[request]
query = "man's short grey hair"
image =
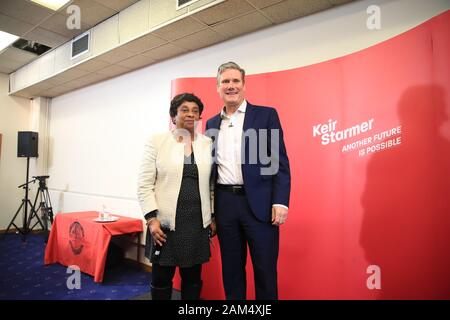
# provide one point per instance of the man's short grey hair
(229, 65)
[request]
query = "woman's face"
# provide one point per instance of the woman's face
(187, 115)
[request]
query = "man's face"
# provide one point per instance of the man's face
(231, 88)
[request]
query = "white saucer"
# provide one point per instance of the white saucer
(109, 219)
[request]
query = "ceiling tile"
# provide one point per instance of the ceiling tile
(14, 26)
(47, 37)
(263, 3)
(115, 55)
(92, 65)
(144, 43)
(36, 89)
(199, 40)
(57, 24)
(338, 2)
(92, 12)
(241, 25)
(6, 69)
(71, 86)
(223, 11)
(86, 80)
(92, 78)
(179, 29)
(137, 62)
(292, 9)
(200, 3)
(9, 65)
(17, 55)
(68, 75)
(25, 10)
(113, 70)
(117, 5)
(23, 94)
(164, 52)
(54, 91)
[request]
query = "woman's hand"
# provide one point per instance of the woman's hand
(155, 230)
(213, 228)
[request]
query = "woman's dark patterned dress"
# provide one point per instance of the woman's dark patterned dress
(188, 245)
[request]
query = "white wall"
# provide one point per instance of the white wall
(14, 116)
(97, 133)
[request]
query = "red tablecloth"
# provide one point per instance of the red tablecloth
(76, 239)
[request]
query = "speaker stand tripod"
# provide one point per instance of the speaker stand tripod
(26, 219)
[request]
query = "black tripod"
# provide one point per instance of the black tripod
(45, 205)
(26, 219)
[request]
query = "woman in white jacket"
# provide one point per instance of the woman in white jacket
(174, 192)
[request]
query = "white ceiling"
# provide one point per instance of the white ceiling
(30, 21)
(226, 20)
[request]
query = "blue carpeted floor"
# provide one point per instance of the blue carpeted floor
(23, 276)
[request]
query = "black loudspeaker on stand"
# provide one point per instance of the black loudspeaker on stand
(27, 146)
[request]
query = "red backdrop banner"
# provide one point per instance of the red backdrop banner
(368, 136)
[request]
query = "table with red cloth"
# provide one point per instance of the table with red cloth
(77, 240)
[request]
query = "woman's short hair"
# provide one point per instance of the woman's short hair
(182, 97)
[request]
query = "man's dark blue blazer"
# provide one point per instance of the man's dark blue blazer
(262, 190)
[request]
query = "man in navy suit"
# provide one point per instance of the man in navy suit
(252, 186)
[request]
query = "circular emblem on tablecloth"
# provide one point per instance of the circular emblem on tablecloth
(76, 237)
